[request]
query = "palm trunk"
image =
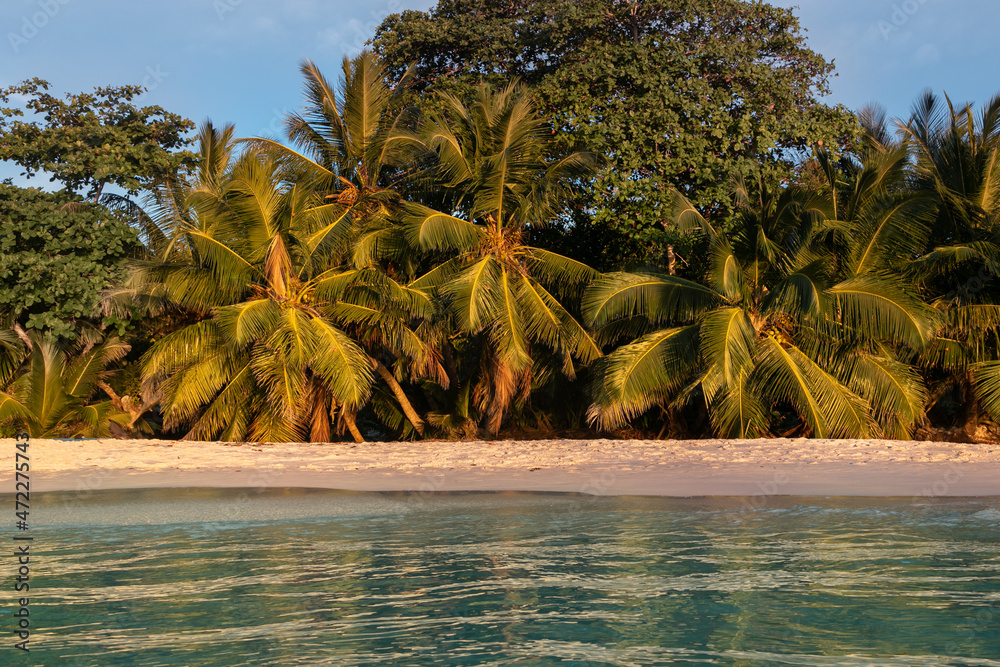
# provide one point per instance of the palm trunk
(351, 425)
(400, 395)
(319, 430)
(126, 404)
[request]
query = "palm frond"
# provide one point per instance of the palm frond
(546, 320)
(12, 409)
(879, 307)
(661, 299)
(737, 410)
(552, 268)
(430, 230)
(729, 341)
(342, 364)
(987, 384)
(478, 294)
(637, 376)
(895, 392)
(248, 321)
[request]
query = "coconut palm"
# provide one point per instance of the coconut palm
(782, 323)
(170, 208)
(493, 184)
(281, 241)
(172, 221)
(958, 166)
(267, 362)
(54, 392)
(354, 144)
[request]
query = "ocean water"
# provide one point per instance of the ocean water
(291, 577)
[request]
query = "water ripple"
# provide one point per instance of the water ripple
(525, 580)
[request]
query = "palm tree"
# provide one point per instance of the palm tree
(266, 362)
(173, 221)
(958, 167)
(274, 252)
(355, 146)
(492, 185)
(782, 323)
(53, 393)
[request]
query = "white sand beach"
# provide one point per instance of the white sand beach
(680, 468)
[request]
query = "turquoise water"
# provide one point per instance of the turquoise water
(212, 577)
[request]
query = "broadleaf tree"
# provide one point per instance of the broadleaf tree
(678, 94)
(89, 140)
(57, 254)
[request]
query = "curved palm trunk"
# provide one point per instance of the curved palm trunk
(345, 418)
(352, 426)
(397, 391)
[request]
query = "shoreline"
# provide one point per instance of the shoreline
(670, 468)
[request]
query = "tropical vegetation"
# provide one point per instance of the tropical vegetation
(673, 236)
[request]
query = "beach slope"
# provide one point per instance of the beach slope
(680, 468)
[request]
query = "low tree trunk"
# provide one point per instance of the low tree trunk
(348, 417)
(400, 395)
(134, 409)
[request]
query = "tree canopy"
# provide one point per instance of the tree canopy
(92, 139)
(56, 256)
(678, 94)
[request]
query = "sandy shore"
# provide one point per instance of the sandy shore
(604, 467)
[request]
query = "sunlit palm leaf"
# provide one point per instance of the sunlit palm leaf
(477, 293)
(344, 366)
(738, 411)
(659, 298)
(430, 230)
(507, 330)
(637, 376)
(249, 321)
(553, 268)
(729, 341)
(880, 308)
(895, 392)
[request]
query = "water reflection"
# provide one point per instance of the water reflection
(315, 578)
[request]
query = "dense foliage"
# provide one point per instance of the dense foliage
(444, 250)
(677, 94)
(57, 254)
(54, 393)
(91, 139)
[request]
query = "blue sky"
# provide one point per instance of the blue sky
(237, 60)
